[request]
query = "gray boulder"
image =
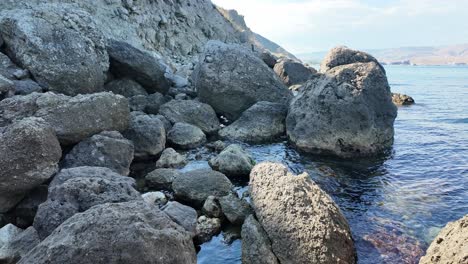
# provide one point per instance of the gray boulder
(212, 208)
(141, 66)
(262, 122)
(191, 112)
(236, 210)
(7, 88)
(61, 46)
(171, 159)
(125, 87)
(161, 179)
(348, 112)
(233, 161)
(293, 72)
(19, 246)
(256, 246)
(183, 215)
(29, 156)
(140, 234)
(231, 78)
(302, 221)
(343, 55)
(185, 136)
(195, 186)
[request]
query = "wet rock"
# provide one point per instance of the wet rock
(268, 58)
(125, 87)
(343, 55)
(26, 210)
(302, 221)
(185, 136)
(293, 72)
(149, 104)
(233, 161)
(402, 99)
(7, 88)
(212, 208)
(171, 159)
(161, 179)
(155, 198)
(27, 86)
(207, 228)
(231, 79)
(235, 209)
(263, 122)
(183, 215)
(256, 246)
(29, 156)
(135, 228)
(107, 149)
(19, 246)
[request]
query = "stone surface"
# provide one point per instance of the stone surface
(293, 72)
(302, 221)
(212, 208)
(161, 179)
(8, 233)
(125, 87)
(268, 58)
(107, 149)
(343, 55)
(19, 246)
(230, 78)
(402, 99)
(154, 198)
(256, 246)
(25, 211)
(207, 228)
(262, 122)
(217, 146)
(147, 103)
(7, 88)
(185, 136)
(26, 86)
(183, 215)
(233, 161)
(171, 159)
(29, 156)
(235, 209)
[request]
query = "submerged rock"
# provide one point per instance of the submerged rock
(402, 99)
(293, 72)
(256, 246)
(185, 136)
(233, 161)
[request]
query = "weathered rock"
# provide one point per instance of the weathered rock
(195, 186)
(125, 87)
(233, 161)
(167, 123)
(183, 215)
(262, 122)
(155, 198)
(212, 208)
(29, 156)
(72, 118)
(7, 88)
(149, 104)
(217, 146)
(207, 228)
(139, 65)
(60, 45)
(161, 179)
(78, 189)
(302, 221)
(25, 211)
(191, 112)
(256, 246)
(235, 209)
(19, 246)
(343, 55)
(185, 136)
(402, 99)
(178, 81)
(293, 72)
(7, 68)
(348, 112)
(171, 159)
(147, 134)
(268, 58)
(108, 149)
(230, 78)
(140, 234)
(27, 86)
(450, 245)
(8, 233)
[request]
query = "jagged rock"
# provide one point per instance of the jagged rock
(185, 136)
(26, 210)
(161, 179)
(207, 228)
(108, 149)
(29, 156)
(233, 161)
(302, 221)
(171, 159)
(256, 246)
(268, 58)
(343, 55)
(125, 87)
(61, 45)
(72, 118)
(191, 112)
(76, 190)
(147, 134)
(195, 186)
(8, 233)
(140, 233)
(293, 72)
(19, 246)
(183, 215)
(155, 198)
(262, 122)
(348, 112)
(402, 99)
(212, 208)
(230, 78)
(7, 88)
(139, 65)
(235, 209)
(450, 245)
(26, 86)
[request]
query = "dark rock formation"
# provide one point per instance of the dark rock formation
(293, 72)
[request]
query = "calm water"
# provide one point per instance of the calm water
(395, 204)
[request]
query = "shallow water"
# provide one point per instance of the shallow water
(395, 204)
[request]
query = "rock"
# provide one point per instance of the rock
(212, 208)
(125, 87)
(207, 228)
(185, 136)
(348, 112)
(233, 161)
(262, 122)
(140, 233)
(191, 112)
(7, 68)
(343, 55)
(235, 209)
(178, 81)
(8, 233)
(402, 99)
(139, 65)
(26, 210)
(167, 123)
(256, 246)
(171, 159)
(155, 198)
(72, 118)
(27, 86)
(268, 58)
(161, 179)
(78, 189)
(19, 246)
(7, 88)
(195, 186)
(182, 96)
(61, 45)
(29, 156)
(183, 215)
(302, 221)
(293, 72)
(217, 146)
(108, 149)
(231, 79)
(147, 134)
(450, 245)
(149, 104)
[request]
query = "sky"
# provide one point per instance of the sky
(302, 26)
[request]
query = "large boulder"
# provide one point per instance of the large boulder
(262, 122)
(233, 161)
(347, 112)
(108, 149)
(78, 189)
(256, 246)
(191, 112)
(29, 156)
(185, 136)
(140, 234)
(293, 72)
(343, 55)
(301, 220)
(231, 78)
(72, 118)
(139, 65)
(61, 45)
(450, 245)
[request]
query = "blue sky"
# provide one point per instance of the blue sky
(318, 25)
